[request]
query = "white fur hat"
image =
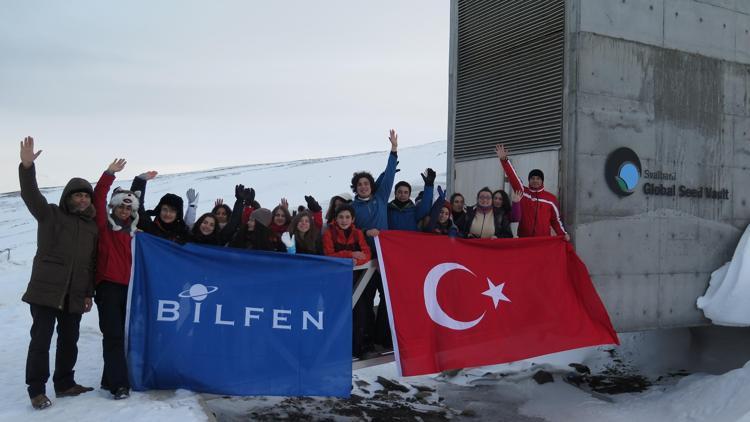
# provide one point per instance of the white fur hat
(345, 196)
(119, 197)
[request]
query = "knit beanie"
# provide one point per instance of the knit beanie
(536, 172)
(262, 216)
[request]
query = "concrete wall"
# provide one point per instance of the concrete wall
(669, 79)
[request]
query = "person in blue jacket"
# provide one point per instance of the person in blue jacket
(371, 200)
(403, 214)
(371, 208)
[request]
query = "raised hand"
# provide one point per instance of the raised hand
(238, 193)
(501, 152)
(284, 203)
(249, 195)
(192, 196)
(287, 239)
(312, 204)
(219, 202)
(516, 195)
(27, 152)
(393, 137)
(441, 193)
(117, 165)
(429, 177)
(148, 175)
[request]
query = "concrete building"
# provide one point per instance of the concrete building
(638, 111)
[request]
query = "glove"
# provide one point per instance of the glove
(249, 195)
(312, 204)
(238, 189)
(192, 196)
(441, 193)
(429, 177)
(288, 241)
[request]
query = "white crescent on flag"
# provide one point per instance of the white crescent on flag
(434, 310)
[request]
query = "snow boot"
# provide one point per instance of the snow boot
(40, 402)
(73, 391)
(121, 393)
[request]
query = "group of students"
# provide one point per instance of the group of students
(97, 256)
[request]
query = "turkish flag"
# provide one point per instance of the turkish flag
(456, 303)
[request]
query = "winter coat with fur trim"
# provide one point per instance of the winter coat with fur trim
(65, 247)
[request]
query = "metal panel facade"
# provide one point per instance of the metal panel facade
(509, 76)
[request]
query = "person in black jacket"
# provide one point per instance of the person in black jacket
(206, 230)
(255, 234)
(458, 209)
(167, 216)
(441, 220)
(229, 219)
(307, 237)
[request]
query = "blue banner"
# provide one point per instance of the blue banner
(229, 321)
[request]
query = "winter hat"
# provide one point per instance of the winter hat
(345, 196)
(119, 197)
(173, 201)
(262, 216)
(76, 185)
(536, 172)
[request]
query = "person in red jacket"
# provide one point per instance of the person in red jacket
(344, 240)
(540, 212)
(117, 222)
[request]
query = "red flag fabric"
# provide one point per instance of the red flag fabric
(456, 303)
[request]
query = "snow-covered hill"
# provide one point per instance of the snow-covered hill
(504, 392)
(321, 178)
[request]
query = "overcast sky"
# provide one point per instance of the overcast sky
(187, 85)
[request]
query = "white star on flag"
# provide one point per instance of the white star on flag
(495, 292)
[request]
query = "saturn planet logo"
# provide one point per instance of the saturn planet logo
(198, 292)
(622, 171)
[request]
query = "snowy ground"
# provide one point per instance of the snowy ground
(683, 365)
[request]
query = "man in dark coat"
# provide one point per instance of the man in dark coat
(62, 278)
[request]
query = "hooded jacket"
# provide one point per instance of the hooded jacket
(64, 263)
(540, 212)
(433, 226)
(176, 231)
